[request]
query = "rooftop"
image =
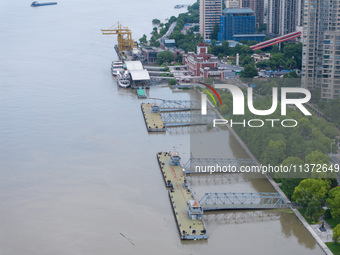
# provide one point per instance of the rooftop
(237, 11)
(134, 65)
(169, 41)
(250, 35)
(139, 75)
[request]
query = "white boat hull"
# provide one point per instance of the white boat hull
(123, 85)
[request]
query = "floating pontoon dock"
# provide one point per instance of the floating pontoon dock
(187, 210)
(152, 117)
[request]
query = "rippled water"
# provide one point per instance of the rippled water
(78, 172)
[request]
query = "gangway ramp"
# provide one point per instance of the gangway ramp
(175, 113)
(216, 165)
(242, 201)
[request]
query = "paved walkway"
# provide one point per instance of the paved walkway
(326, 236)
(313, 232)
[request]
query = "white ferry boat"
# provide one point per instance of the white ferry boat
(116, 67)
(123, 79)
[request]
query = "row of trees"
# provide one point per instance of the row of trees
(308, 143)
(331, 109)
(186, 42)
(189, 41)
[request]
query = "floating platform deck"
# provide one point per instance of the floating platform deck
(180, 196)
(141, 93)
(153, 120)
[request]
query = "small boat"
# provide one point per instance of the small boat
(36, 4)
(123, 79)
(116, 67)
(179, 6)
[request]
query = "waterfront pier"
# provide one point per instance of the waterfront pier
(186, 209)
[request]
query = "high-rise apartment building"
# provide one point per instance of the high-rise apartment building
(315, 24)
(282, 16)
(330, 81)
(232, 4)
(299, 17)
(210, 12)
(258, 7)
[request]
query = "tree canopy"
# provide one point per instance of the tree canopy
(214, 33)
(315, 187)
(143, 39)
(165, 57)
(336, 233)
(249, 71)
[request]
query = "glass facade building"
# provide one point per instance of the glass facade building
(238, 24)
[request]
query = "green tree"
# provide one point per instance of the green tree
(172, 82)
(275, 152)
(154, 32)
(214, 33)
(143, 39)
(332, 194)
(249, 71)
(179, 58)
(335, 208)
(332, 110)
(317, 187)
(289, 184)
(312, 207)
(165, 57)
(276, 61)
(275, 49)
(292, 74)
(317, 157)
(247, 60)
(156, 21)
(294, 52)
(290, 64)
(336, 233)
(262, 64)
(305, 196)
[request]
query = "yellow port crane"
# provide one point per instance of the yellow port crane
(124, 37)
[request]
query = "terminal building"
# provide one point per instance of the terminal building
(238, 24)
(139, 76)
(203, 64)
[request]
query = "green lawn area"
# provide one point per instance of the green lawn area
(333, 222)
(302, 211)
(335, 249)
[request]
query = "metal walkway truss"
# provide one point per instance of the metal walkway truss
(188, 118)
(209, 165)
(179, 104)
(239, 201)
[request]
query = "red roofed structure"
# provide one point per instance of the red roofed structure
(202, 63)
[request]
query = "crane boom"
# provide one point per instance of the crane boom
(124, 36)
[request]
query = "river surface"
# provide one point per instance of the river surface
(78, 170)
